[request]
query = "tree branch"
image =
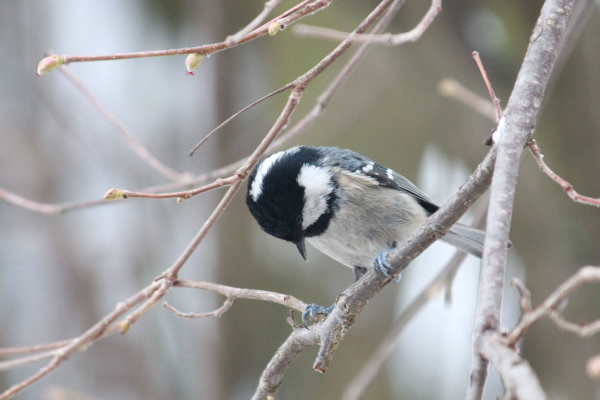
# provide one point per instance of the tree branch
(518, 378)
(242, 293)
(289, 17)
(388, 39)
(552, 307)
(567, 187)
(519, 122)
(441, 283)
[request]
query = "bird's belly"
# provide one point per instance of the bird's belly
(356, 242)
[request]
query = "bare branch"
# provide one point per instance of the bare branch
(216, 313)
(272, 376)
(32, 349)
(206, 49)
(99, 330)
(453, 89)
(567, 187)
(520, 118)
(45, 208)
(441, 283)
(518, 378)
(222, 124)
(388, 39)
(369, 370)
(490, 89)
(352, 300)
(115, 194)
(131, 140)
(255, 23)
(551, 307)
(242, 293)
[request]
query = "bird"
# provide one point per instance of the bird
(344, 204)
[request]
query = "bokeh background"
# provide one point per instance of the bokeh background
(60, 274)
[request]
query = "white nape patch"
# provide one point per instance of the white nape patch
(390, 174)
(368, 167)
(317, 185)
(263, 170)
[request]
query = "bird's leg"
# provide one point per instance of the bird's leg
(359, 272)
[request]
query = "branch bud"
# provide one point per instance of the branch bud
(49, 63)
(124, 327)
(274, 28)
(192, 61)
(114, 194)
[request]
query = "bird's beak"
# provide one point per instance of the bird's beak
(302, 248)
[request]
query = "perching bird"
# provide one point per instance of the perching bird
(345, 205)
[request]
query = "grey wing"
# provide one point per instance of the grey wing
(385, 177)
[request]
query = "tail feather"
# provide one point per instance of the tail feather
(466, 238)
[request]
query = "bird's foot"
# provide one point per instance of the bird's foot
(383, 267)
(312, 310)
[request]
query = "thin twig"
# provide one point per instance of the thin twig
(551, 307)
(567, 187)
(242, 293)
(255, 23)
(62, 354)
(388, 39)
(216, 313)
(129, 137)
(11, 351)
(222, 124)
(125, 194)
(490, 89)
(45, 208)
(310, 8)
(453, 89)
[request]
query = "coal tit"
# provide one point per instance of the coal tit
(345, 205)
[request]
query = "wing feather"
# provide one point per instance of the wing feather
(385, 177)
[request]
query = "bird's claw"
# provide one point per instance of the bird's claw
(383, 267)
(312, 310)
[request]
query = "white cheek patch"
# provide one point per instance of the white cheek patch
(317, 185)
(263, 170)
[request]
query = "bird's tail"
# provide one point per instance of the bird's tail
(466, 238)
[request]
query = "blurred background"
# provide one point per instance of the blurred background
(60, 274)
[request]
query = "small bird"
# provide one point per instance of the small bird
(347, 206)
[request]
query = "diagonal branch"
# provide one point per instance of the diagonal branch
(441, 283)
(352, 300)
(129, 137)
(388, 39)
(567, 187)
